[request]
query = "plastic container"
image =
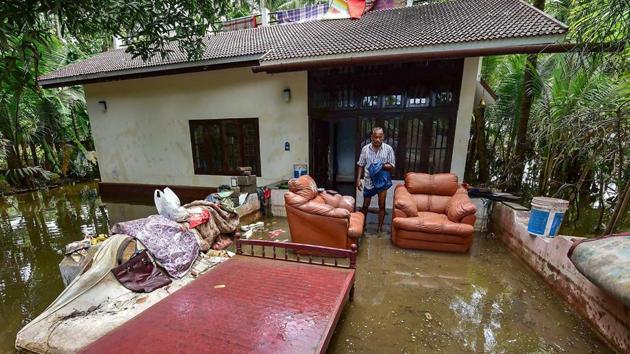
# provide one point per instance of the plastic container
(299, 170)
(546, 216)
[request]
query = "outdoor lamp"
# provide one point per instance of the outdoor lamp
(286, 95)
(103, 105)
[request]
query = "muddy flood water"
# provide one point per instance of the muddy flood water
(405, 301)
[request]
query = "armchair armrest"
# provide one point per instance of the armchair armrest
(459, 207)
(405, 202)
(338, 201)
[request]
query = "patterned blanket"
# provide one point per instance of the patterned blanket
(172, 245)
(306, 13)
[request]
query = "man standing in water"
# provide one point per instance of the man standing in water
(375, 157)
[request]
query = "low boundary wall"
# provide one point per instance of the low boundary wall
(548, 258)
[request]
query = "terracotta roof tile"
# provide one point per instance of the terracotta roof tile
(431, 24)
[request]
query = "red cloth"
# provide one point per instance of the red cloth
(196, 219)
(356, 8)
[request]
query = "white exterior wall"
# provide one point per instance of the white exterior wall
(144, 137)
(472, 70)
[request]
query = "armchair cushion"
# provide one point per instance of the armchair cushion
(459, 206)
(338, 201)
(304, 186)
(437, 184)
(404, 201)
(433, 223)
(314, 207)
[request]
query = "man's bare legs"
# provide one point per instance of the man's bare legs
(382, 197)
(366, 206)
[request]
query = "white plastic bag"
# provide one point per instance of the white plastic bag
(171, 197)
(168, 207)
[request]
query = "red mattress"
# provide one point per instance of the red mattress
(244, 305)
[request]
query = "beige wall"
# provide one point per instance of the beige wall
(144, 136)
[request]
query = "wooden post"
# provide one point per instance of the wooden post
(353, 256)
(237, 238)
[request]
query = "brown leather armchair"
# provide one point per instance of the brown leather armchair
(432, 212)
(322, 219)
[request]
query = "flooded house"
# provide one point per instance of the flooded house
(301, 93)
(309, 94)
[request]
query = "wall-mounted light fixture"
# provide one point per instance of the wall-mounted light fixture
(286, 95)
(103, 105)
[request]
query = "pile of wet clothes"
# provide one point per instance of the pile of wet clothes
(175, 245)
(162, 247)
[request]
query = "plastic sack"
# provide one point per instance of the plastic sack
(168, 207)
(171, 196)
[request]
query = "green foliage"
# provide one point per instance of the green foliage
(151, 27)
(54, 178)
(27, 176)
(39, 36)
(599, 21)
(5, 187)
(579, 126)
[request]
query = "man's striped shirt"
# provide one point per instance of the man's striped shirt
(368, 156)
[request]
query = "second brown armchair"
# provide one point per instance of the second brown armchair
(432, 212)
(321, 219)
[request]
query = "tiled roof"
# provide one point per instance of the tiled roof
(431, 24)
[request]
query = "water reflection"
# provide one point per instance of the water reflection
(34, 229)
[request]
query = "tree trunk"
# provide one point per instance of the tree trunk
(620, 209)
(27, 161)
(527, 98)
(34, 154)
(482, 151)
(13, 157)
(15, 147)
(74, 125)
(469, 174)
(602, 202)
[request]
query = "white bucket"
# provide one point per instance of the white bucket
(546, 216)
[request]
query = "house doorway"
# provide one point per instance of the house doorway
(415, 104)
(333, 154)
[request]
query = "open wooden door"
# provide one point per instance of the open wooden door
(320, 149)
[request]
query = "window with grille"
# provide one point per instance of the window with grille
(220, 146)
(421, 143)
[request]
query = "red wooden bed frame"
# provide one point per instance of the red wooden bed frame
(260, 300)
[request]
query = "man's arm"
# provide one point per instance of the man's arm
(390, 163)
(360, 169)
(359, 176)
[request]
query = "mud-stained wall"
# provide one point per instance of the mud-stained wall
(144, 135)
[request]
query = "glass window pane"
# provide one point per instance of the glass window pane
(415, 128)
(221, 145)
(232, 141)
(438, 156)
